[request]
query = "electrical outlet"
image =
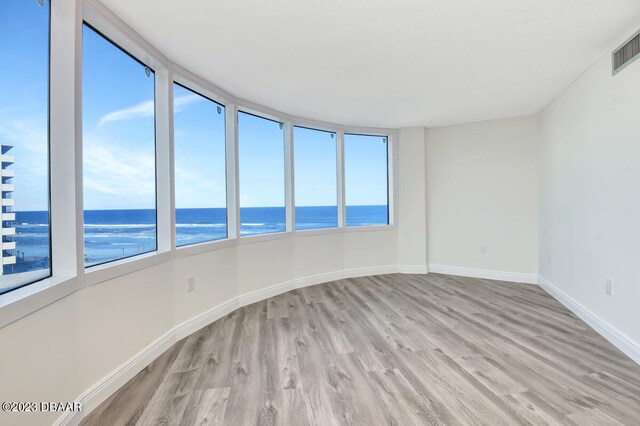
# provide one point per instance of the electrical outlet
(609, 284)
(191, 283)
(483, 248)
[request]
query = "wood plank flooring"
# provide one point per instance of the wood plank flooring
(391, 349)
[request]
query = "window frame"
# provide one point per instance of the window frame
(49, 198)
(338, 179)
(155, 149)
(287, 186)
(390, 179)
(117, 32)
(63, 178)
(226, 167)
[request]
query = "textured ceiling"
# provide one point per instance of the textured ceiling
(386, 63)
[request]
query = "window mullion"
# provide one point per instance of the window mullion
(340, 179)
(233, 195)
(165, 199)
(391, 178)
(65, 139)
(289, 176)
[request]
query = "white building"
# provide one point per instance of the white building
(8, 216)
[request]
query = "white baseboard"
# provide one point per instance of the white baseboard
(194, 324)
(105, 387)
(265, 293)
(615, 337)
(413, 269)
(489, 274)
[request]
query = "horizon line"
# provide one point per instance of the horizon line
(204, 208)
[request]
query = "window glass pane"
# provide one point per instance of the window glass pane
(366, 180)
(24, 143)
(315, 179)
(200, 172)
(118, 123)
(261, 163)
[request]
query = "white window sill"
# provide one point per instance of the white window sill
(328, 231)
(117, 268)
(204, 247)
(250, 239)
(370, 228)
(25, 300)
(321, 231)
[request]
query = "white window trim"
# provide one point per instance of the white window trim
(289, 178)
(342, 198)
(214, 244)
(25, 300)
(203, 247)
(117, 268)
(288, 186)
(67, 227)
(391, 179)
(97, 16)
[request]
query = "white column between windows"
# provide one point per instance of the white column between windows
(65, 139)
(289, 177)
(165, 202)
(392, 180)
(233, 193)
(342, 218)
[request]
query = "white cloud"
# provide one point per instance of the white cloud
(115, 181)
(146, 109)
(198, 190)
(28, 135)
(143, 109)
(181, 102)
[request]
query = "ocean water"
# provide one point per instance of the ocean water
(117, 234)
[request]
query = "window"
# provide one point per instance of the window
(24, 143)
(316, 191)
(118, 122)
(261, 167)
(200, 171)
(366, 180)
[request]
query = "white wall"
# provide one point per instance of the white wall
(590, 194)
(58, 352)
(412, 232)
(482, 181)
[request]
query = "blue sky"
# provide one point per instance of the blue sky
(24, 70)
(261, 159)
(118, 128)
(199, 151)
(365, 174)
(314, 154)
(119, 134)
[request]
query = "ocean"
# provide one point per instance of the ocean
(117, 234)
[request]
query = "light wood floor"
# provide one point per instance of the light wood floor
(392, 349)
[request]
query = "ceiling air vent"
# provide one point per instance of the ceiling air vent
(626, 54)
